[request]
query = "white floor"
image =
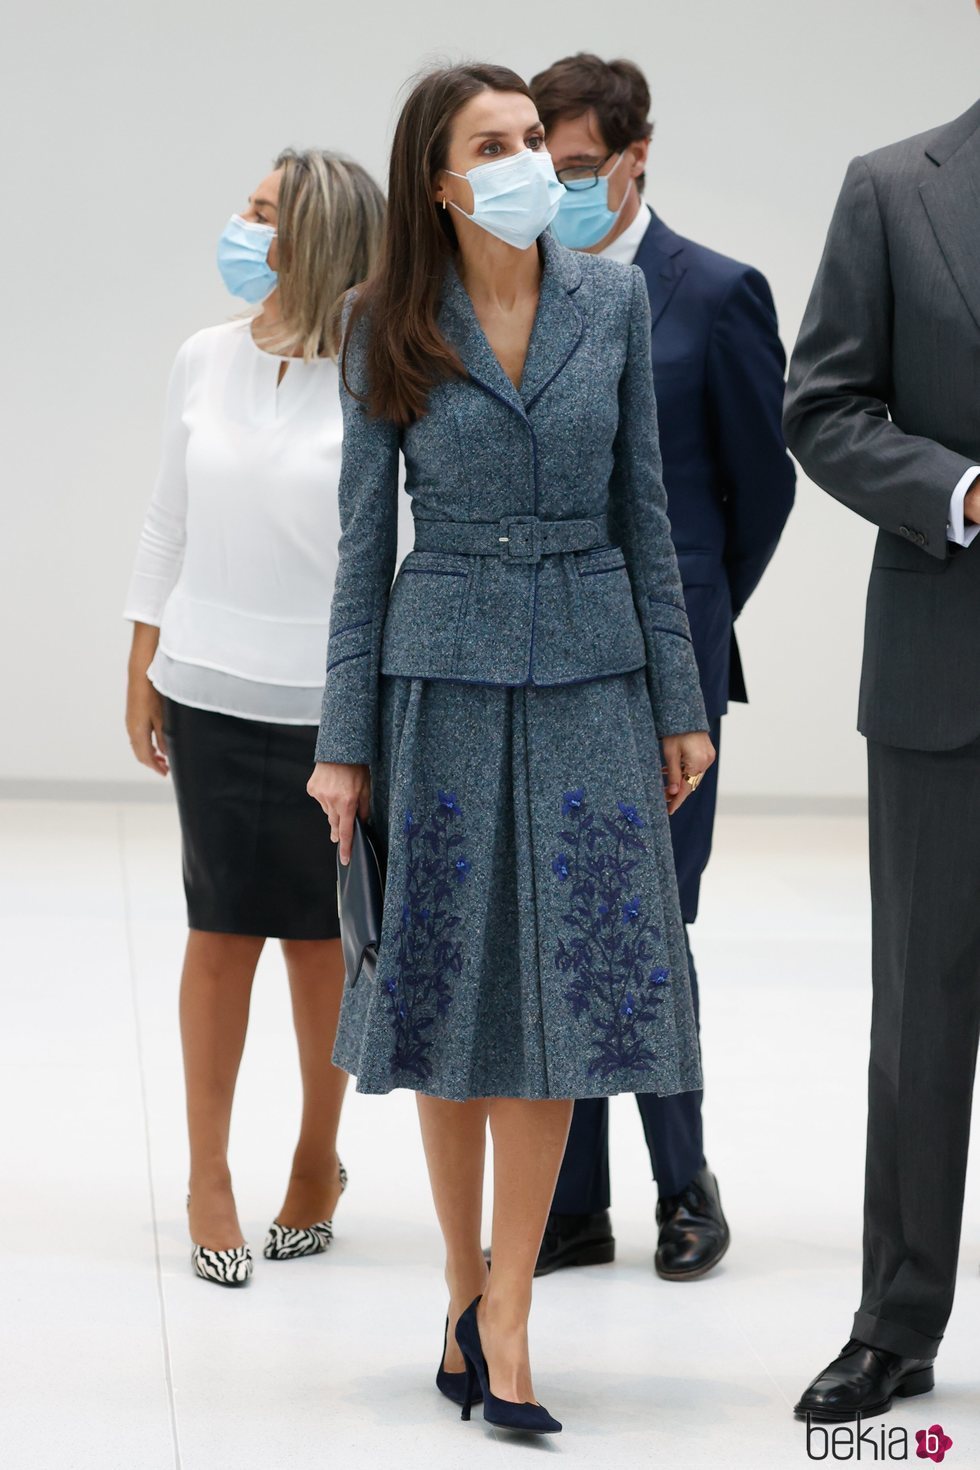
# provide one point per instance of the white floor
(114, 1355)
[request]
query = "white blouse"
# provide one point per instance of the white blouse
(238, 554)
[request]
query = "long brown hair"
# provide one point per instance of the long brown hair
(406, 354)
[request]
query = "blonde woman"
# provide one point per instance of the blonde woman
(229, 600)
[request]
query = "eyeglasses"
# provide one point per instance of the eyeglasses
(583, 175)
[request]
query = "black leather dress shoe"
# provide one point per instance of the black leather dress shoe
(864, 1380)
(694, 1233)
(576, 1240)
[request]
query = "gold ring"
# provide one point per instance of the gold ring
(694, 781)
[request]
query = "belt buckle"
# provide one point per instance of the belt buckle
(520, 538)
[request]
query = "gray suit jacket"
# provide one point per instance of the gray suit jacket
(579, 440)
(883, 411)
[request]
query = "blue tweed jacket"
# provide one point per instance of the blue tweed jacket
(578, 442)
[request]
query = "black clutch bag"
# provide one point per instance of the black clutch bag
(360, 898)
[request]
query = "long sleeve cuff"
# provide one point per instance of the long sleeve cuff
(956, 529)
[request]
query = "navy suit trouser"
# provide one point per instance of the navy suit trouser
(672, 1125)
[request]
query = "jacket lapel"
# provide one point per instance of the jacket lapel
(555, 333)
(660, 256)
(952, 202)
(558, 323)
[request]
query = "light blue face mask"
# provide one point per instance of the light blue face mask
(514, 198)
(584, 217)
(242, 259)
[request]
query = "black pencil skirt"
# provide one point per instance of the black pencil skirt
(257, 854)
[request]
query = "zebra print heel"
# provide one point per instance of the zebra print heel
(224, 1268)
(288, 1243)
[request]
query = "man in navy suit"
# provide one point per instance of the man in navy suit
(718, 371)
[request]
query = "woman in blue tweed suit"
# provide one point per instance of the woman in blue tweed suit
(494, 714)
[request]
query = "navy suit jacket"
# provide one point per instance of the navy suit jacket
(718, 368)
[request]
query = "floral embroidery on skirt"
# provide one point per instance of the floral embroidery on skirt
(611, 951)
(429, 952)
(532, 944)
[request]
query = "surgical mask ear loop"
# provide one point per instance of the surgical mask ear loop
(626, 193)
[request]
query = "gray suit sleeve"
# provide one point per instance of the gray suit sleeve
(836, 413)
(638, 512)
(367, 551)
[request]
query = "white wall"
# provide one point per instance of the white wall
(138, 129)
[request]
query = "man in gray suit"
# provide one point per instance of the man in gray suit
(883, 412)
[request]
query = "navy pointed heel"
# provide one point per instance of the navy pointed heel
(501, 1413)
(455, 1386)
(471, 1392)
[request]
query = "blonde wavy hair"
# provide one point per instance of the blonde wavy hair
(330, 221)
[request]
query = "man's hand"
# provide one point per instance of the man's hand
(971, 503)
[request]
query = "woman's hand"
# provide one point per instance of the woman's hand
(342, 791)
(144, 706)
(685, 755)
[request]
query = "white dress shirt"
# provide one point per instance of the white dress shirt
(238, 554)
(624, 249)
(625, 246)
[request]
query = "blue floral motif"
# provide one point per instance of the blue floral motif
(631, 910)
(611, 951)
(429, 953)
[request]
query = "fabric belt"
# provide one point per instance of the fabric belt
(514, 538)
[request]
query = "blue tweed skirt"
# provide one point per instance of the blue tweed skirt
(531, 941)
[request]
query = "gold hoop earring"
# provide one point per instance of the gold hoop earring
(444, 201)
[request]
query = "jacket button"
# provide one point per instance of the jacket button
(920, 537)
(905, 530)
